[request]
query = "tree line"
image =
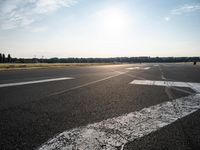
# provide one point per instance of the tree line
(9, 59)
(5, 59)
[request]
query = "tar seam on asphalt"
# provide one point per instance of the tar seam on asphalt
(170, 94)
(113, 133)
(121, 146)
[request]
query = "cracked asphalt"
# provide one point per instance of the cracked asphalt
(32, 114)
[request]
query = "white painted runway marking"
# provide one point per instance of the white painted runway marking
(194, 86)
(112, 134)
(133, 68)
(33, 82)
(147, 68)
(138, 68)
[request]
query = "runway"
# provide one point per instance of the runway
(51, 108)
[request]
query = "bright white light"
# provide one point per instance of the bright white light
(114, 19)
(167, 18)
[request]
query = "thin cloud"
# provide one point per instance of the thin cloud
(20, 13)
(187, 8)
(38, 29)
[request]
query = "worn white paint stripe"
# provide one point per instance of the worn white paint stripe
(147, 68)
(194, 86)
(33, 82)
(163, 77)
(133, 68)
(138, 68)
(112, 134)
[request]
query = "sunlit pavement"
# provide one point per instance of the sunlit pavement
(134, 106)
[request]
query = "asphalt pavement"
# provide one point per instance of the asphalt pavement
(53, 100)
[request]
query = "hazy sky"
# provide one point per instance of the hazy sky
(99, 28)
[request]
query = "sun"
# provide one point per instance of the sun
(115, 19)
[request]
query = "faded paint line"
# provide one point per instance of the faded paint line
(133, 76)
(33, 82)
(147, 68)
(194, 86)
(133, 68)
(138, 68)
(162, 74)
(89, 83)
(163, 77)
(113, 134)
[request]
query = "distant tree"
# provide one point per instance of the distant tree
(0, 58)
(3, 58)
(9, 58)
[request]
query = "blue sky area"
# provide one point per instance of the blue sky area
(99, 28)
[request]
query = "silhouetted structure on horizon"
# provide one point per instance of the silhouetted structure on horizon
(4, 59)
(142, 59)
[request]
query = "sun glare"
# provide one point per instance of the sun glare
(115, 19)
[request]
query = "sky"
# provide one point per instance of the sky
(99, 28)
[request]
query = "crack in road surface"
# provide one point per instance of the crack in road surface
(113, 133)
